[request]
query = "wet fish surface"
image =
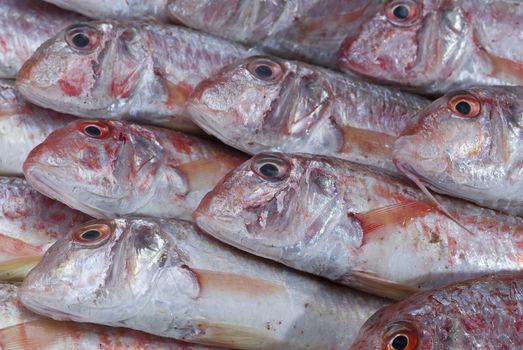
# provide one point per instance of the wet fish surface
(22, 127)
(29, 224)
(309, 30)
(135, 70)
(115, 9)
(109, 168)
(356, 226)
(24, 25)
(21, 329)
(268, 104)
(485, 313)
(469, 144)
(166, 278)
(436, 46)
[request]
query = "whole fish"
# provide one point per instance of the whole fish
(356, 226)
(29, 224)
(485, 313)
(23, 330)
(166, 278)
(435, 46)
(124, 70)
(22, 127)
(24, 25)
(310, 30)
(115, 9)
(269, 104)
(469, 144)
(109, 168)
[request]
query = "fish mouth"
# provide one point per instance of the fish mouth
(41, 178)
(223, 229)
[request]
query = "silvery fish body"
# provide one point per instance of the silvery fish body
(100, 9)
(268, 104)
(25, 25)
(469, 144)
(22, 127)
(310, 30)
(110, 168)
(21, 329)
(356, 226)
(434, 46)
(29, 224)
(166, 278)
(124, 70)
(484, 313)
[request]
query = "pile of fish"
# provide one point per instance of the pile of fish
(261, 174)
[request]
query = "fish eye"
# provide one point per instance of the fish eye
(92, 235)
(265, 69)
(271, 168)
(95, 129)
(465, 105)
(402, 12)
(82, 37)
(401, 336)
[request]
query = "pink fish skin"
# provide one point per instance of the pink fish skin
(264, 103)
(25, 25)
(469, 144)
(124, 70)
(309, 30)
(116, 8)
(22, 127)
(109, 168)
(356, 226)
(434, 46)
(484, 313)
(29, 224)
(21, 329)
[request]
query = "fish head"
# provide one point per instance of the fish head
(259, 102)
(101, 271)
(387, 331)
(87, 69)
(407, 42)
(270, 204)
(465, 141)
(95, 165)
(239, 20)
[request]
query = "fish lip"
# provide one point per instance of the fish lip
(35, 300)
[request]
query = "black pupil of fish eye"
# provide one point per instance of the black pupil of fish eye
(263, 71)
(93, 130)
(463, 107)
(401, 12)
(400, 342)
(269, 170)
(91, 235)
(80, 40)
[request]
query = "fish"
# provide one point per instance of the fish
(264, 103)
(108, 168)
(433, 47)
(116, 9)
(24, 25)
(124, 70)
(21, 329)
(22, 127)
(166, 278)
(356, 225)
(468, 144)
(309, 30)
(29, 224)
(483, 313)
